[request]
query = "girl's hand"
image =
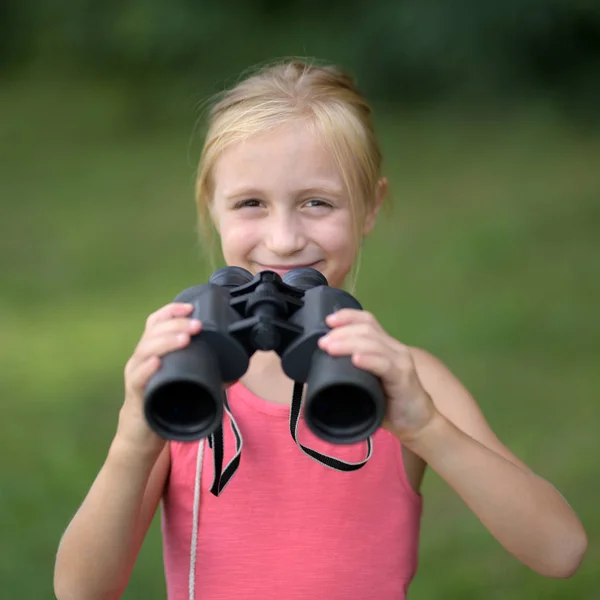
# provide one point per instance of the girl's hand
(357, 333)
(167, 329)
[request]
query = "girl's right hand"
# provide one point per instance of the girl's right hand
(167, 329)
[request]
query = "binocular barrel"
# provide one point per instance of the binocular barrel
(240, 314)
(343, 404)
(184, 401)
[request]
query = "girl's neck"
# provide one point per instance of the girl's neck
(266, 379)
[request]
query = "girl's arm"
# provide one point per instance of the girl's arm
(434, 416)
(99, 548)
(526, 514)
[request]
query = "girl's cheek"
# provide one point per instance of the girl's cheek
(233, 229)
(239, 236)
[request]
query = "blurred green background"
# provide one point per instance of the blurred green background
(488, 113)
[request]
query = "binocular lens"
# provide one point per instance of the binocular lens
(343, 404)
(184, 399)
(342, 412)
(183, 408)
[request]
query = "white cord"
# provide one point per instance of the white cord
(195, 515)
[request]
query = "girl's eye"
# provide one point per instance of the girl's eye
(318, 203)
(252, 203)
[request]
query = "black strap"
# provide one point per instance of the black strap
(222, 477)
(324, 459)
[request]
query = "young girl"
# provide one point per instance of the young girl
(290, 176)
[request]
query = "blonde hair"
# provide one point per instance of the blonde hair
(289, 90)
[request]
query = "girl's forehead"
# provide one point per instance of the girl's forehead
(294, 154)
(296, 137)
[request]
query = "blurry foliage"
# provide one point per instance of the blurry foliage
(407, 51)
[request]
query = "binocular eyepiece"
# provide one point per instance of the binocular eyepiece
(242, 313)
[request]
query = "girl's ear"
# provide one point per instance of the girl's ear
(371, 217)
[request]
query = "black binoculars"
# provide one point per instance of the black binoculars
(242, 313)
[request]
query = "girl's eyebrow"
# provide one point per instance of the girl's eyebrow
(242, 192)
(246, 192)
(327, 190)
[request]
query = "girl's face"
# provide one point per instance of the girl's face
(279, 202)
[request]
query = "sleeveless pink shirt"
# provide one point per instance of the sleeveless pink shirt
(287, 527)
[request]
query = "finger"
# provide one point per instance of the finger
(353, 330)
(161, 344)
(351, 315)
(169, 311)
(350, 334)
(165, 329)
(378, 364)
(175, 325)
(140, 374)
(348, 345)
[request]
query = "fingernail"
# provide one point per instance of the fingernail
(194, 324)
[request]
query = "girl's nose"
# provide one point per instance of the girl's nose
(284, 236)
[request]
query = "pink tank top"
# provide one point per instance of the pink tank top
(286, 526)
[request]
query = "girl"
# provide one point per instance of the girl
(290, 176)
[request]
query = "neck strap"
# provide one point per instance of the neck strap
(223, 476)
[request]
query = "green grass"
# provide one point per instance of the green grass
(490, 259)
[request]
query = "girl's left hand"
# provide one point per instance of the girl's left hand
(357, 333)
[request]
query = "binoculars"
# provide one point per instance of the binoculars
(243, 313)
